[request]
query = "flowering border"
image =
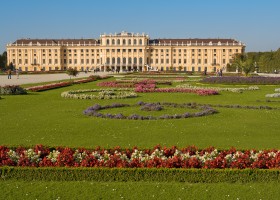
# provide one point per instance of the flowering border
(236, 90)
(158, 157)
(205, 110)
(103, 94)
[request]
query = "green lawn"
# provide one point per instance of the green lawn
(47, 118)
(137, 190)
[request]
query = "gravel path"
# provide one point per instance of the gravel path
(38, 78)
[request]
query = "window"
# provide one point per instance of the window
(124, 60)
(199, 69)
(134, 60)
(82, 61)
(44, 61)
(26, 61)
(50, 61)
(124, 42)
(118, 60)
(214, 61)
(214, 50)
(113, 60)
(199, 61)
(167, 61)
(134, 41)
(87, 61)
(107, 60)
(129, 41)
(108, 42)
(75, 61)
(193, 61)
(55, 61)
(205, 61)
(140, 61)
(118, 42)
(174, 61)
(236, 50)
(92, 61)
(140, 50)
(156, 61)
(185, 61)
(179, 61)
(224, 50)
(65, 62)
(118, 50)
(193, 50)
(140, 42)
(129, 60)
(161, 61)
(70, 61)
(224, 61)
(113, 41)
(230, 50)
(134, 50)
(124, 50)
(19, 61)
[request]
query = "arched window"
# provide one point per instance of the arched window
(134, 60)
(124, 42)
(113, 41)
(107, 60)
(124, 61)
(35, 61)
(129, 60)
(129, 41)
(118, 60)
(113, 60)
(108, 42)
(140, 61)
(140, 42)
(118, 42)
(134, 41)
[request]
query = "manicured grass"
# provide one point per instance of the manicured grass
(47, 118)
(136, 190)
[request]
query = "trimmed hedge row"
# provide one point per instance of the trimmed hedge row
(140, 174)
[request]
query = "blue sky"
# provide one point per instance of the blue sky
(254, 22)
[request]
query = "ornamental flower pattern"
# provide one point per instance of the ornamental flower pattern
(158, 157)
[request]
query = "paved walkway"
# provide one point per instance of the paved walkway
(38, 78)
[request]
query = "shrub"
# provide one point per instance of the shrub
(12, 90)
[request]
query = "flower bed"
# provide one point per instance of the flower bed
(94, 111)
(102, 94)
(236, 90)
(12, 90)
(202, 92)
(274, 95)
(158, 157)
(243, 80)
(49, 86)
(64, 84)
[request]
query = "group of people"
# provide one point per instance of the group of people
(219, 72)
(9, 72)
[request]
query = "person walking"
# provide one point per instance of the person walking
(17, 73)
(9, 72)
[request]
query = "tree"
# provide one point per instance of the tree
(72, 72)
(242, 62)
(180, 68)
(11, 66)
(3, 60)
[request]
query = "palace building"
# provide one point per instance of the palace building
(124, 52)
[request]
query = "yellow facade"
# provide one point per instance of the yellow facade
(124, 52)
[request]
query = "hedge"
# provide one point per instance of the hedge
(140, 174)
